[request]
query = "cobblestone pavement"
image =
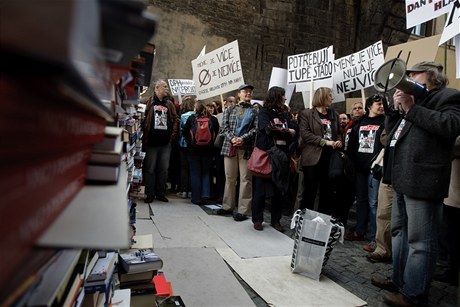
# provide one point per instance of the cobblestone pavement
(349, 267)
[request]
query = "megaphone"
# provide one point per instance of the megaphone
(392, 74)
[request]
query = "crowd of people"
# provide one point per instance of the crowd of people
(402, 172)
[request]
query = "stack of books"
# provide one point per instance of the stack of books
(106, 157)
(137, 268)
(98, 286)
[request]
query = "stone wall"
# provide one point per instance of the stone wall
(268, 31)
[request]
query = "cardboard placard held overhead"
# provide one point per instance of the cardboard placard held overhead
(181, 87)
(356, 71)
(218, 71)
(418, 12)
(424, 49)
(310, 66)
(279, 78)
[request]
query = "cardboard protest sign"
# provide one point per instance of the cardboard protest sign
(279, 78)
(452, 26)
(310, 66)
(420, 11)
(356, 71)
(218, 71)
(181, 87)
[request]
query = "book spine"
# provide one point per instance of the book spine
(44, 126)
(32, 197)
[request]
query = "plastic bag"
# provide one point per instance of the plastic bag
(315, 237)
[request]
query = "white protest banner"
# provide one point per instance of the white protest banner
(420, 11)
(181, 87)
(202, 52)
(279, 78)
(356, 71)
(310, 66)
(306, 86)
(218, 71)
(452, 26)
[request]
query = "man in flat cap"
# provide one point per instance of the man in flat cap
(422, 131)
(239, 127)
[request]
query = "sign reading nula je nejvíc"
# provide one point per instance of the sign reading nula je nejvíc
(356, 71)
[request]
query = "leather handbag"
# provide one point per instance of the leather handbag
(219, 141)
(259, 163)
(340, 165)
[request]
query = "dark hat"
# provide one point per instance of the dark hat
(424, 66)
(242, 86)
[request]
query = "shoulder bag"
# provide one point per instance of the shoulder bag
(259, 163)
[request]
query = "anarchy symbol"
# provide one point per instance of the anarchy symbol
(204, 77)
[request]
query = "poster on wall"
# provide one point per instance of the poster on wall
(218, 71)
(356, 71)
(310, 66)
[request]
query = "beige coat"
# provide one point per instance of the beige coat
(454, 188)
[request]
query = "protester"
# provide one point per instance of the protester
(239, 127)
(344, 119)
(449, 243)
(320, 133)
(187, 109)
(200, 151)
(363, 147)
(382, 252)
(274, 131)
(423, 130)
(160, 128)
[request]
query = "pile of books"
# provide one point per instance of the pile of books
(137, 268)
(106, 157)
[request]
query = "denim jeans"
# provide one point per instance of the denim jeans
(414, 229)
(155, 169)
(367, 191)
(200, 168)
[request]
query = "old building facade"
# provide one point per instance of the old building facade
(268, 31)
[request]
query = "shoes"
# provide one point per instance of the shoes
(240, 217)
(206, 201)
(278, 227)
(370, 247)
(374, 258)
(181, 194)
(149, 199)
(162, 198)
(447, 276)
(397, 300)
(384, 283)
(258, 226)
(353, 236)
(224, 212)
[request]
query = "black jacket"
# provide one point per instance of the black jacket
(421, 162)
